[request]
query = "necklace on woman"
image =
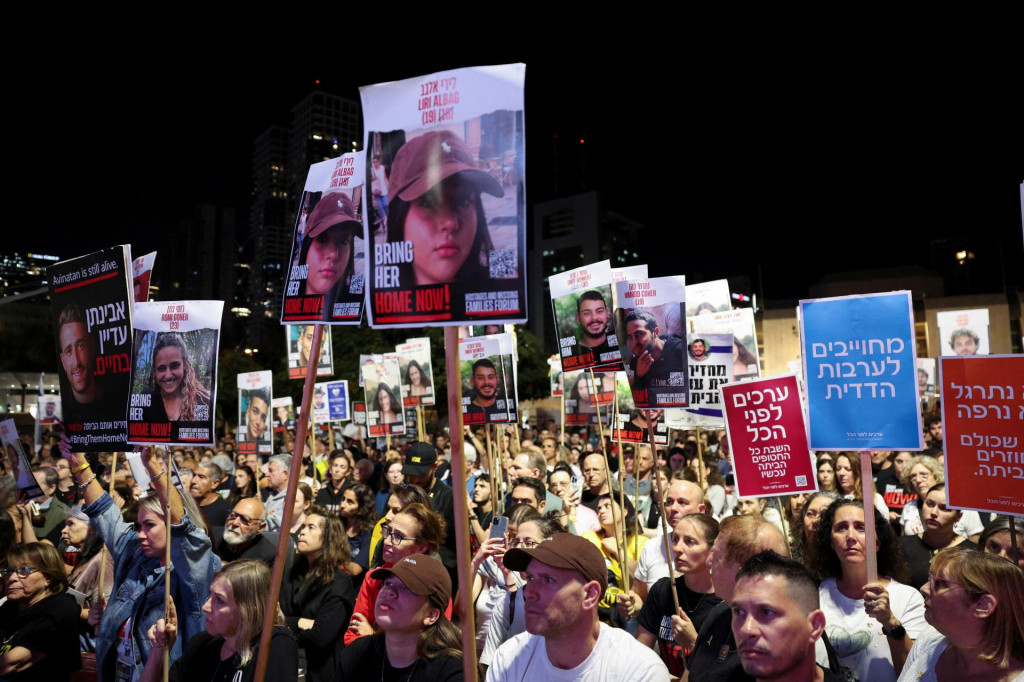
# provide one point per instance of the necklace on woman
(385, 661)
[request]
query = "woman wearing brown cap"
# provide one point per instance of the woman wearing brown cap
(436, 188)
(416, 640)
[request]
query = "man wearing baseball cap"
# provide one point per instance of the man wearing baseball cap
(564, 640)
(420, 465)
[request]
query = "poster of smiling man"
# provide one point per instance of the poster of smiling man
(255, 397)
(581, 302)
(326, 271)
(300, 340)
(445, 154)
(650, 328)
(91, 307)
(483, 381)
(174, 387)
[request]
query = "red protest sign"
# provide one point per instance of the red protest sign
(768, 437)
(983, 429)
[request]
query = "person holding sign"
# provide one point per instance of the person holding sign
(436, 216)
(872, 625)
(177, 395)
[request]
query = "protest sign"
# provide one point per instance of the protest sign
(649, 321)
(509, 373)
(48, 410)
(359, 414)
(337, 401)
(300, 339)
(705, 298)
(623, 274)
(254, 423)
(983, 428)
(859, 369)
(417, 372)
(632, 426)
(326, 273)
(382, 382)
(926, 378)
(739, 323)
(445, 154)
(483, 382)
(142, 272)
(284, 414)
(17, 462)
(963, 332)
(320, 411)
(768, 437)
(711, 365)
(584, 324)
(555, 376)
(91, 305)
(174, 385)
(579, 410)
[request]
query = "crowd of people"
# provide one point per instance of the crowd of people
(641, 564)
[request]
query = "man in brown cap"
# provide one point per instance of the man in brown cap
(564, 640)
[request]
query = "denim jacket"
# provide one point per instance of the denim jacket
(139, 584)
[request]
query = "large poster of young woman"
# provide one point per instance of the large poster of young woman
(174, 385)
(326, 271)
(445, 159)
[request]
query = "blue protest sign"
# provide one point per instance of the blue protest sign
(859, 364)
(337, 400)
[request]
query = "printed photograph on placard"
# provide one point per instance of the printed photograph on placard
(445, 155)
(964, 332)
(417, 372)
(653, 340)
(581, 304)
(326, 272)
(483, 381)
(509, 373)
(711, 367)
(284, 414)
(384, 412)
(48, 410)
(926, 380)
(175, 380)
(632, 427)
(17, 463)
(254, 420)
(555, 376)
(704, 298)
(579, 410)
(91, 307)
(320, 412)
(300, 340)
(337, 401)
(142, 272)
(739, 323)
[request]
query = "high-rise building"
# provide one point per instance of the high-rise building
(323, 126)
(567, 233)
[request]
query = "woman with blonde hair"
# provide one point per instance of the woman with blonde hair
(234, 622)
(976, 603)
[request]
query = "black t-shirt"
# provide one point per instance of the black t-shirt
(919, 555)
(888, 484)
(201, 660)
(364, 659)
(671, 360)
(216, 512)
(656, 617)
(48, 627)
(714, 657)
(329, 499)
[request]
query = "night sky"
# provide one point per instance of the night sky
(779, 162)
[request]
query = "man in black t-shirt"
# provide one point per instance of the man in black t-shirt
(776, 620)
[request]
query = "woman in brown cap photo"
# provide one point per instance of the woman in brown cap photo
(327, 248)
(436, 205)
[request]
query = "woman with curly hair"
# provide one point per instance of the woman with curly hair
(358, 514)
(872, 625)
(317, 595)
(176, 392)
(804, 529)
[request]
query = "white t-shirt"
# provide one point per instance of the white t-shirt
(652, 563)
(924, 655)
(968, 525)
(616, 656)
(858, 638)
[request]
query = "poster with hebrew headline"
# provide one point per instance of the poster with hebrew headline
(983, 428)
(174, 386)
(860, 372)
(326, 272)
(445, 156)
(746, 364)
(91, 307)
